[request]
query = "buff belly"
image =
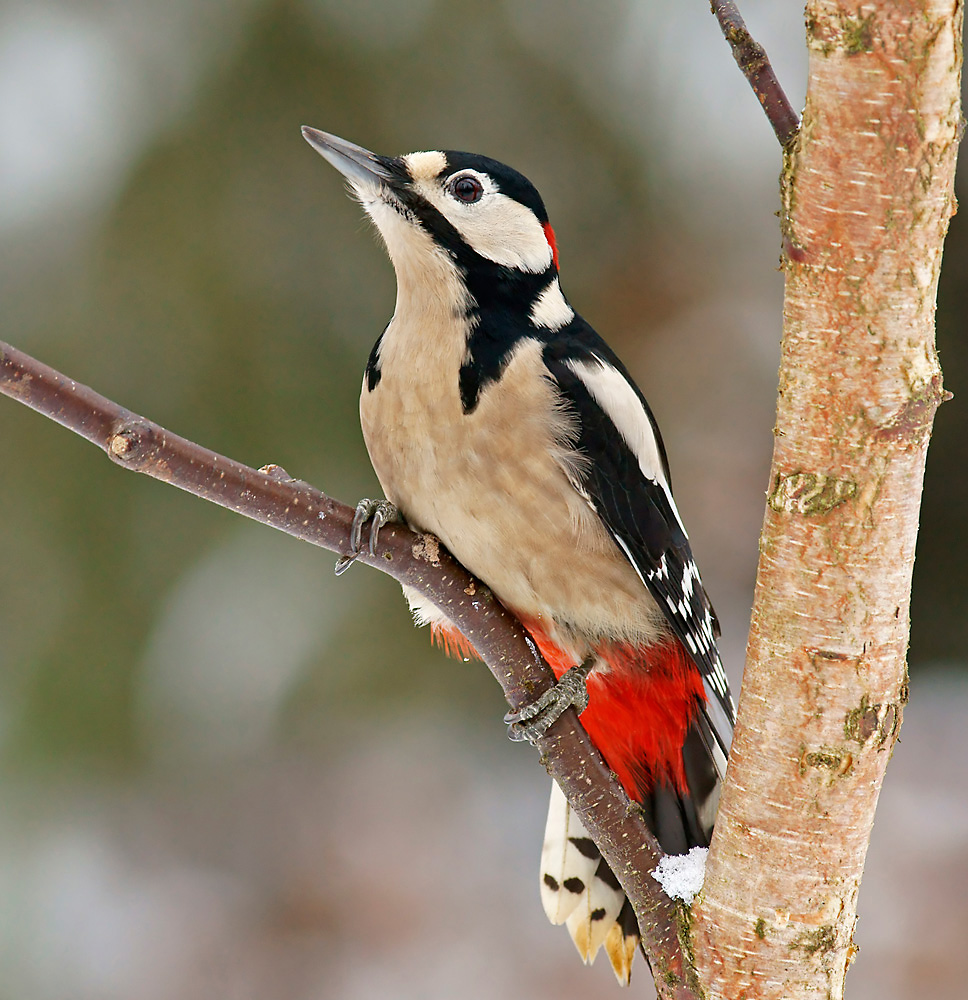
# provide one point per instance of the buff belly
(493, 485)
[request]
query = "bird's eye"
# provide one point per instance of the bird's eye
(467, 189)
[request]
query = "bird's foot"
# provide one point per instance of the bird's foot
(378, 513)
(532, 721)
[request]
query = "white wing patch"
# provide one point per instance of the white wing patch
(678, 590)
(611, 390)
(550, 308)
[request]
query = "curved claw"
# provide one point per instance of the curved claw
(344, 563)
(381, 512)
(532, 721)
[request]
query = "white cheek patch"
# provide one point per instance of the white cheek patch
(496, 227)
(611, 390)
(502, 230)
(550, 308)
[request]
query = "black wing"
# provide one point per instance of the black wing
(626, 480)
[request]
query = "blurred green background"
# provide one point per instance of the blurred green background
(224, 772)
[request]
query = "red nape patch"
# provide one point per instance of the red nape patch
(452, 642)
(552, 242)
(639, 711)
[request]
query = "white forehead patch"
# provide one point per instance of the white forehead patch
(497, 227)
(425, 166)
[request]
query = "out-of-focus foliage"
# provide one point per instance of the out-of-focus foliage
(167, 237)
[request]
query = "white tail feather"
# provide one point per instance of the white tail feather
(621, 950)
(579, 890)
(594, 917)
(565, 870)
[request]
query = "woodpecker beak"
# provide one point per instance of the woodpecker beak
(366, 171)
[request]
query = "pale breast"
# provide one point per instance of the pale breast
(493, 486)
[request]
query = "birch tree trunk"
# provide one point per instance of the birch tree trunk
(867, 195)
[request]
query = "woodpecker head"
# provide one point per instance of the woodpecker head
(445, 210)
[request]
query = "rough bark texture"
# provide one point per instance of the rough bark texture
(868, 192)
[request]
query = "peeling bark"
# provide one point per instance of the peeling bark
(867, 194)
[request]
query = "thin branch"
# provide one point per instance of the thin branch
(417, 560)
(752, 59)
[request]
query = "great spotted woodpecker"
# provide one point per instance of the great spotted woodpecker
(497, 419)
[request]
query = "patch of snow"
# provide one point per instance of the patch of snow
(681, 875)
